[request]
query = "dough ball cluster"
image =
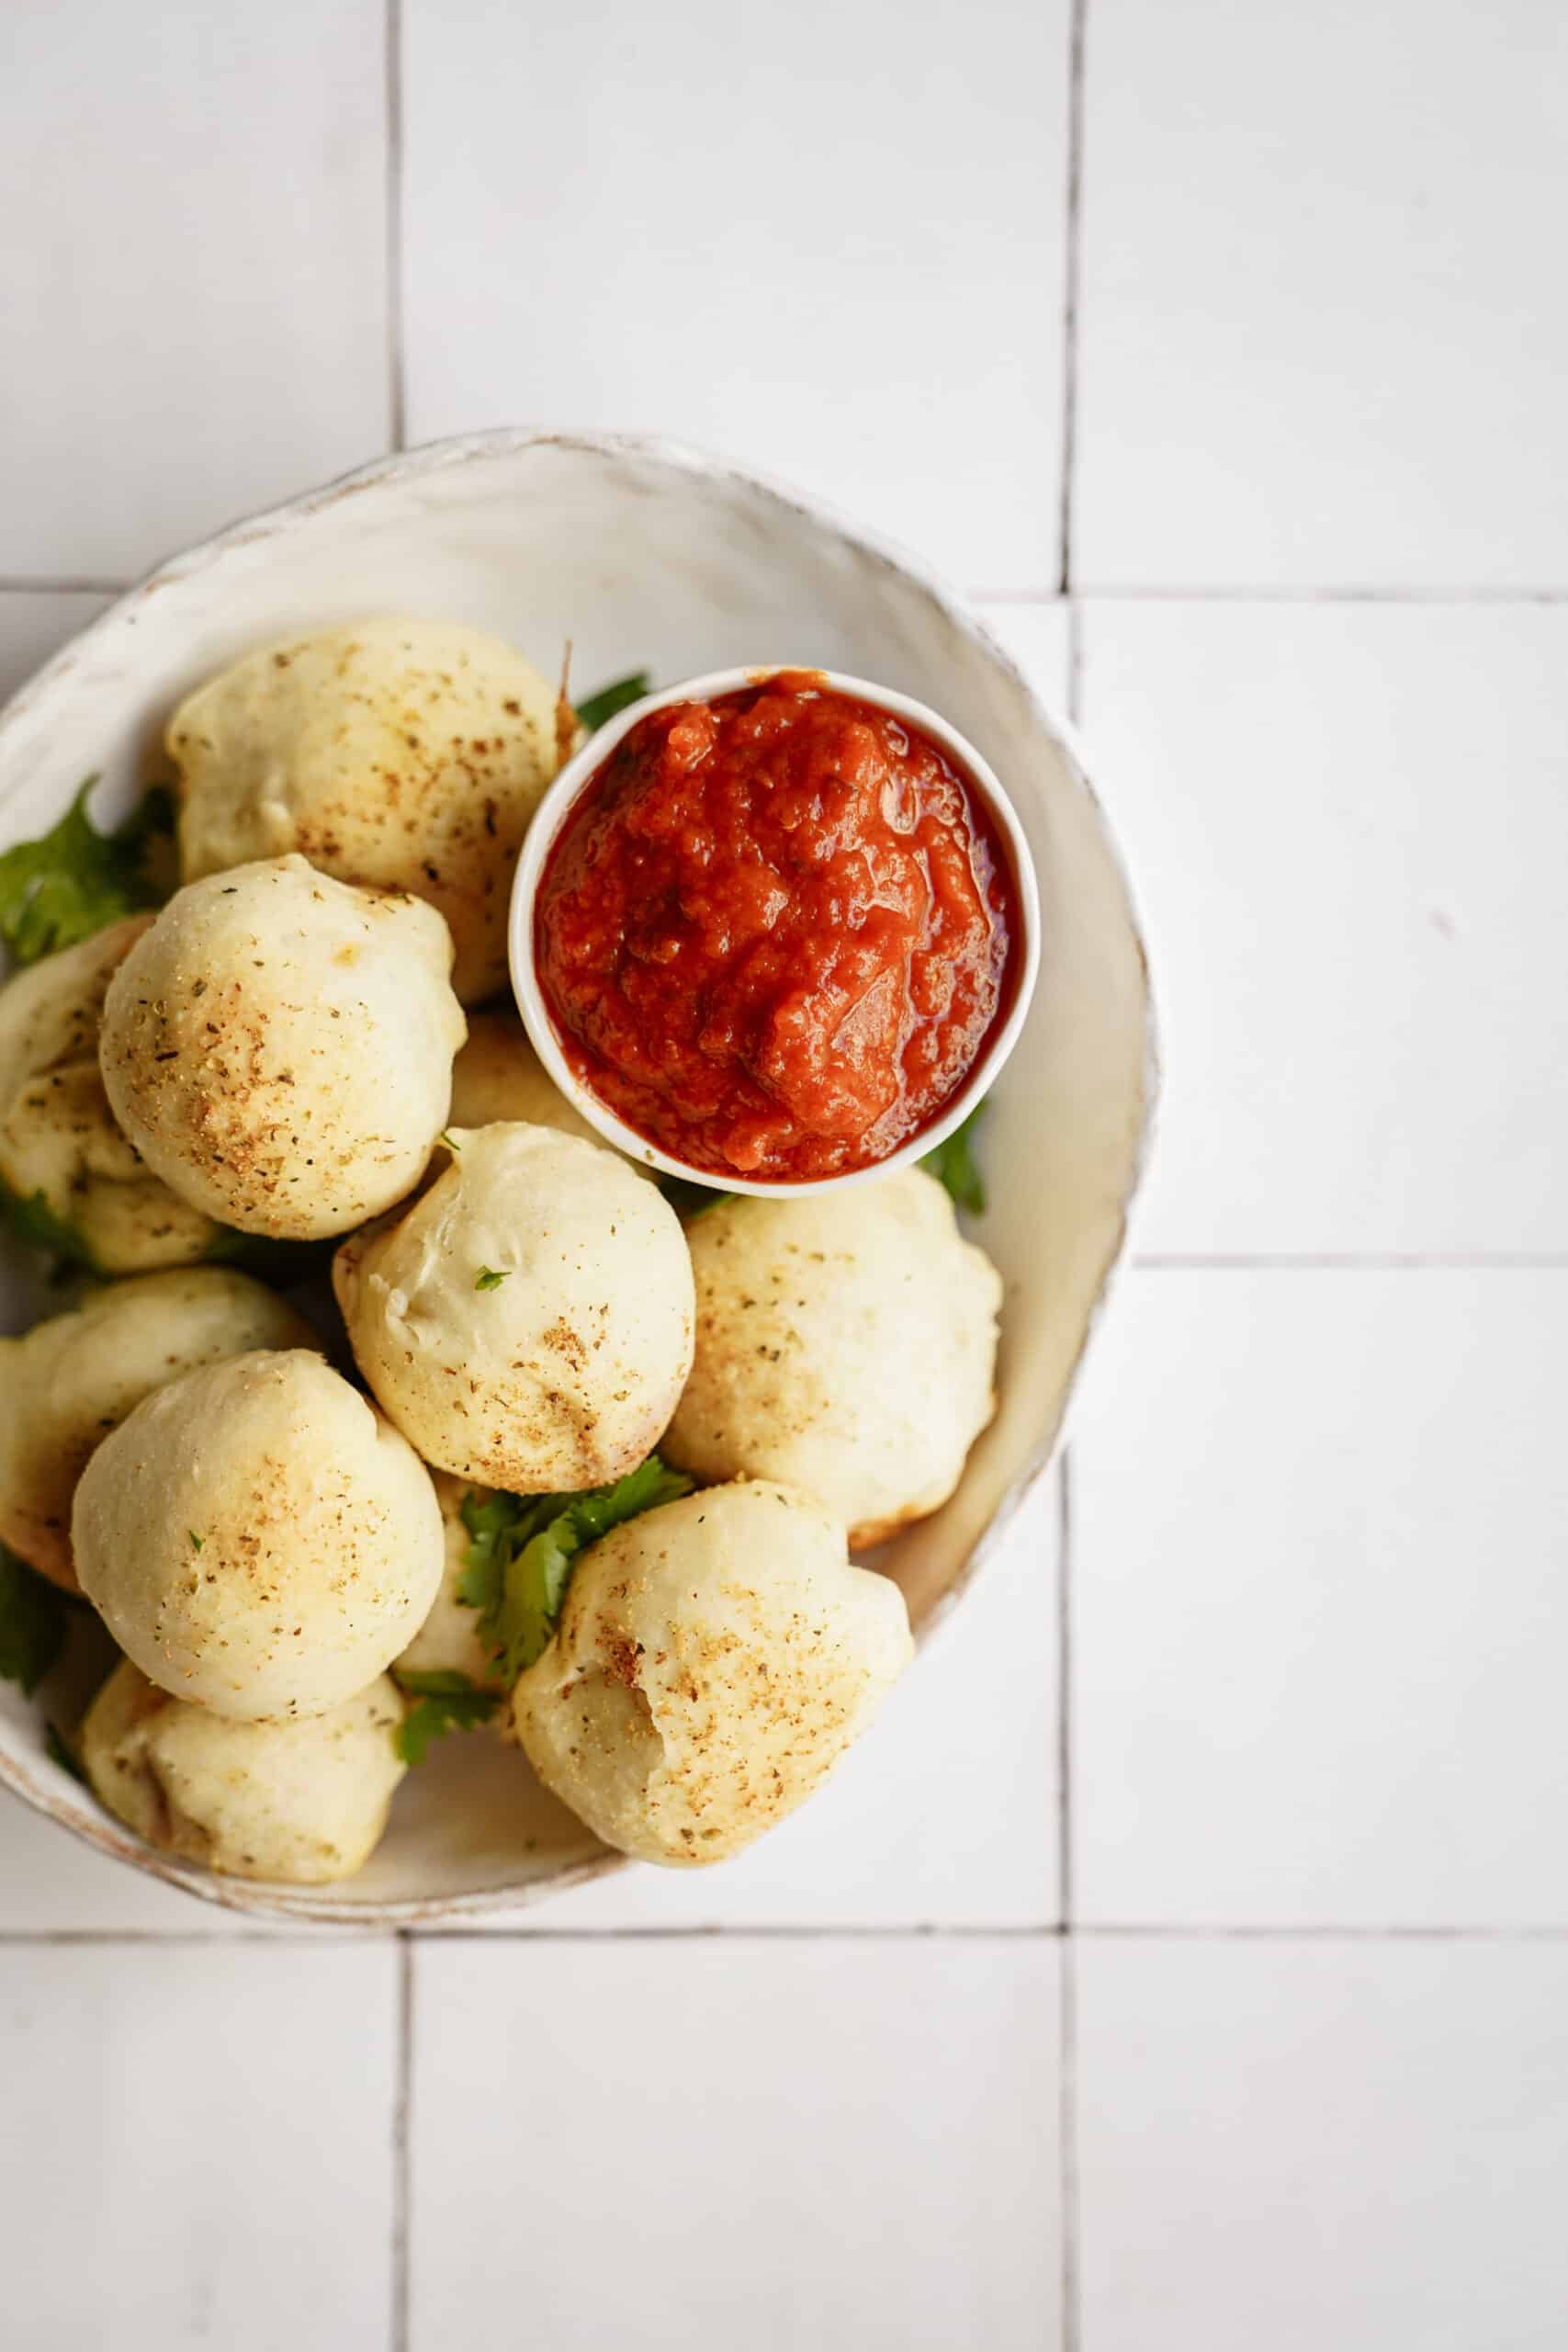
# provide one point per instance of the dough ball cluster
(527, 1320)
(409, 754)
(304, 1802)
(846, 1345)
(68, 1381)
(278, 1047)
(257, 1538)
(714, 1658)
(61, 1149)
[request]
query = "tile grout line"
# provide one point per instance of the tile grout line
(1070, 2293)
(403, 2088)
(1070, 285)
(397, 391)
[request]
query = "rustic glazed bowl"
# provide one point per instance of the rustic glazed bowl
(578, 776)
(647, 557)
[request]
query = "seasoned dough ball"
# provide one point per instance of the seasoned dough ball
(714, 1659)
(278, 1047)
(497, 1077)
(406, 753)
(526, 1321)
(846, 1342)
(65, 1383)
(257, 1538)
(302, 1802)
(449, 1641)
(58, 1136)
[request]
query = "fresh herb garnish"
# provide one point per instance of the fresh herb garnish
(523, 1549)
(952, 1164)
(57, 1745)
(70, 882)
(33, 1222)
(611, 699)
(689, 1200)
(196, 1540)
(32, 1623)
(445, 1700)
(488, 1279)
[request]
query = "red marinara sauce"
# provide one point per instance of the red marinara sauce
(775, 931)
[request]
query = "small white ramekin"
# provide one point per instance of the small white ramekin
(579, 774)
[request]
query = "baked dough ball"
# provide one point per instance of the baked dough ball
(497, 1077)
(65, 1383)
(278, 1047)
(714, 1659)
(846, 1343)
(527, 1321)
(304, 1801)
(257, 1538)
(58, 1136)
(449, 1641)
(406, 753)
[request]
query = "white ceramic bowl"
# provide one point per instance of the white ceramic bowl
(647, 557)
(575, 779)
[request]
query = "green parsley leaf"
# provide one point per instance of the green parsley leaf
(952, 1163)
(32, 1623)
(55, 1742)
(611, 699)
(488, 1279)
(195, 1538)
(70, 882)
(523, 1549)
(443, 1701)
(689, 1200)
(34, 1223)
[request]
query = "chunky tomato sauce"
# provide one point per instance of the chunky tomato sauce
(775, 931)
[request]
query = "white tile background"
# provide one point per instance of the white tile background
(1183, 1965)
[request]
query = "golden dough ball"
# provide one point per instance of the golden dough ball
(65, 1383)
(714, 1659)
(846, 1345)
(278, 1047)
(409, 754)
(258, 1538)
(527, 1320)
(300, 1803)
(61, 1149)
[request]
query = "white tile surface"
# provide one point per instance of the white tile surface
(1318, 344)
(1342, 2145)
(196, 2145)
(194, 266)
(832, 248)
(1347, 827)
(780, 2145)
(1035, 633)
(1319, 1615)
(945, 1814)
(33, 625)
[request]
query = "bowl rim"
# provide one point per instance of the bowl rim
(265, 1899)
(577, 778)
